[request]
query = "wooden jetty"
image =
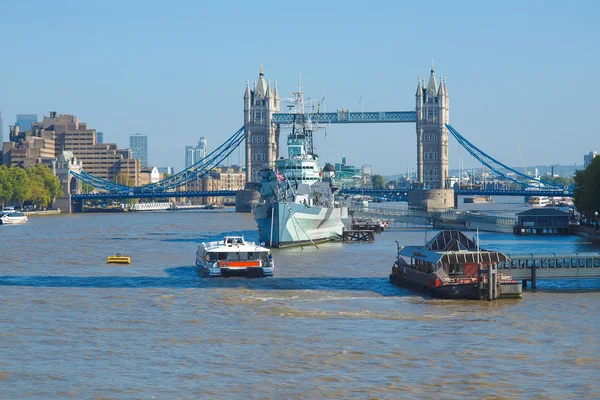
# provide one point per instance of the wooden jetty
(358, 235)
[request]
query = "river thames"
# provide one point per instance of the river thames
(327, 325)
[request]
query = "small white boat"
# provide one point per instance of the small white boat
(538, 201)
(11, 217)
(234, 256)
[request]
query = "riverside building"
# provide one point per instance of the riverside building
(47, 140)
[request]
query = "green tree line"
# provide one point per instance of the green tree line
(35, 185)
(587, 189)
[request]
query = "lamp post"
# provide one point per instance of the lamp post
(595, 220)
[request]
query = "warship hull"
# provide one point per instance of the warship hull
(285, 224)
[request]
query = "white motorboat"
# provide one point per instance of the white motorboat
(11, 217)
(234, 256)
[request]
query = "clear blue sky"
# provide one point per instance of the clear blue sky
(517, 71)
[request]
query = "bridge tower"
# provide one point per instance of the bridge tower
(433, 112)
(262, 136)
(62, 167)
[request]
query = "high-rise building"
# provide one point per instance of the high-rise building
(25, 121)
(165, 170)
(99, 137)
(262, 137)
(433, 112)
(587, 159)
(195, 154)
(139, 147)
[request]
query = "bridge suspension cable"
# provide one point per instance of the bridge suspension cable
(501, 169)
(199, 169)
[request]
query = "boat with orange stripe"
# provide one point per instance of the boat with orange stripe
(234, 256)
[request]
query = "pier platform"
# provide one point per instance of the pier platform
(531, 267)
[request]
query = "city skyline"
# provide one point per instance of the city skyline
(522, 79)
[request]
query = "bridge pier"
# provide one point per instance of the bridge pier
(533, 277)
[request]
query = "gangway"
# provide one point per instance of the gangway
(530, 267)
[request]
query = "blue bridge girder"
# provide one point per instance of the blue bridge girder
(153, 195)
(345, 117)
(466, 192)
(392, 193)
(499, 192)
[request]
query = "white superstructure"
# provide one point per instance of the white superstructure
(538, 201)
(234, 256)
(11, 217)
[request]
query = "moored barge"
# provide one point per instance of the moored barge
(451, 266)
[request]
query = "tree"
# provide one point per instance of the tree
(378, 182)
(558, 180)
(6, 185)
(51, 182)
(87, 188)
(21, 185)
(37, 193)
(587, 189)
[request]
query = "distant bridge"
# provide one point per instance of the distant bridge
(399, 194)
(467, 192)
(153, 195)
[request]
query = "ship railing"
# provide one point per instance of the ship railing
(443, 275)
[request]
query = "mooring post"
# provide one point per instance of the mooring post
(479, 282)
(495, 281)
(533, 280)
(490, 291)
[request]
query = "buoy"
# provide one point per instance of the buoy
(118, 259)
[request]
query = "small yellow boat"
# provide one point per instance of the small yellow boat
(119, 259)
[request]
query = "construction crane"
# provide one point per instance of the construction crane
(522, 159)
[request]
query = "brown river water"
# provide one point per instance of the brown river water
(327, 325)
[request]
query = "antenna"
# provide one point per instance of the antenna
(478, 248)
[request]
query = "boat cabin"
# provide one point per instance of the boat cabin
(235, 248)
(451, 255)
(234, 241)
(542, 221)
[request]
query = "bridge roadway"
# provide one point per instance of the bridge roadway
(469, 192)
(393, 193)
(345, 117)
(153, 195)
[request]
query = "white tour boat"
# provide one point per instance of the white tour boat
(11, 217)
(538, 201)
(234, 256)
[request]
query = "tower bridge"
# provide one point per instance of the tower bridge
(263, 120)
(260, 133)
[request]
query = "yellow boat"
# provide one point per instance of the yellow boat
(119, 259)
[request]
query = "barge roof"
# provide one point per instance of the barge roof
(451, 247)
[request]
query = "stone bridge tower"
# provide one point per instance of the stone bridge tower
(62, 168)
(262, 137)
(433, 112)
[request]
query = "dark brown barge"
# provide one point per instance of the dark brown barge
(451, 266)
